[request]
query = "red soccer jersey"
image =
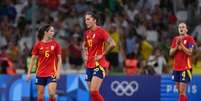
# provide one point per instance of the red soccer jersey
(181, 60)
(47, 57)
(95, 43)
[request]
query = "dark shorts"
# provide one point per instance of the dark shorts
(182, 76)
(45, 80)
(98, 71)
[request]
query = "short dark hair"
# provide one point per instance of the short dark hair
(93, 14)
(42, 30)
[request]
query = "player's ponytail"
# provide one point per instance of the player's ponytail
(42, 31)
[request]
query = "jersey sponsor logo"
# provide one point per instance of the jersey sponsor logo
(124, 88)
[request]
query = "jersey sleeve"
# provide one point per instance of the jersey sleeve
(58, 49)
(173, 44)
(191, 42)
(35, 50)
(104, 35)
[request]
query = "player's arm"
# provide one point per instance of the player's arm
(111, 45)
(58, 66)
(84, 50)
(172, 51)
(33, 57)
(174, 47)
(188, 51)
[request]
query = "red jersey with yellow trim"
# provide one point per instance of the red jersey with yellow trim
(181, 60)
(95, 44)
(47, 53)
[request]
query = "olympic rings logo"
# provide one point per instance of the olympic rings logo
(124, 88)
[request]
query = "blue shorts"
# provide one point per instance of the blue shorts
(182, 76)
(45, 80)
(98, 71)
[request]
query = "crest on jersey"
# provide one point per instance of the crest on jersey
(52, 47)
(41, 48)
(185, 41)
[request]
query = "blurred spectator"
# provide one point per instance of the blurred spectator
(146, 69)
(24, 58)
(131, 44)
(145, 49)
(113, 55)
(8, 9)
(28, 11)
(131, 11)
(3, 41)
(74, 51)
(81, 7)
(13, 51)
(157, 61)
(6, 28)
(6, 64)
(171, 18)
(131, 64)
(197, 33)
(152, 34)
(51, 4)
(197, 59)
(166, 4)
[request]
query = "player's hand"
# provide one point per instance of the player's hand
(85, 57)
(182, 46)
(98, 57)
(179, 47)
(57, 75)
(28, 77)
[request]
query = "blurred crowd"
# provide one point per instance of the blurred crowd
(142, 30)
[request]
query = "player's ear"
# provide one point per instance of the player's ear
(45, 32)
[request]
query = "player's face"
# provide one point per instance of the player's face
(89, 21)
(50, 32)
(182, 28)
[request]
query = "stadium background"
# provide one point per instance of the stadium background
(142, 27)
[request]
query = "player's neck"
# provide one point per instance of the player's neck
(46, 39)
(93, 28)
(183, 34)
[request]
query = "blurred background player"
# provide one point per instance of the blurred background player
(181, 51)
(94, 54)
(48, 52)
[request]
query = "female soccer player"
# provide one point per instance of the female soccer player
(94, 50)
(48, 53)
(181, 51)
